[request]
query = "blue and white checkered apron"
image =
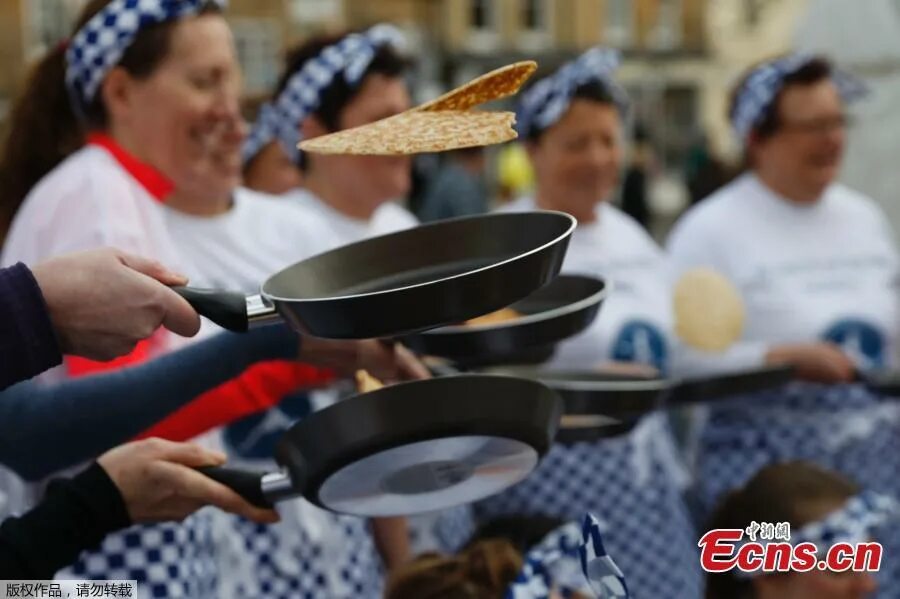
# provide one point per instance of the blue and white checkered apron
(311, 553)
(170, 560)
(634, 485)
(842, 427)
(289, 561)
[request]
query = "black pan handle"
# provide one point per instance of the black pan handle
(246, 483)
(225, 308)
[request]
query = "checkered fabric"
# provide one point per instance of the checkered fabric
(168, 560)
(351, 56)
(544, 103)
(99, 45)
(601, 571)
(628, 482)
(762, 85)
(570, 560)
(293, 564)
(851, 524)
(841, 427)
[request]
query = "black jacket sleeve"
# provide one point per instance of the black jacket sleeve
(75, 515)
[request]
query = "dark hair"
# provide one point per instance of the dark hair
(795, 492)
(43, 130)
(813, 72)
(334, 98)
(593, 91)
(483, 571)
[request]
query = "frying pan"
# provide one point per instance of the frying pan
(410, 448)
(407, 281)
(599, 404)
(561, 309)
(885, 383)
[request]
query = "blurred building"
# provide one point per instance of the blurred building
(680, 55)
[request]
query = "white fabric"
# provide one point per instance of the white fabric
(333, 229)
(801, 270)
(240, 249)
(635, 321)
(88, 201)
(616, 248)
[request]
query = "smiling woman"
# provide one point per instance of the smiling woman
(128, 114)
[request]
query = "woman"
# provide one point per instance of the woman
(334, 83)
(572, 126)
(802, 495)
(274, 561)
(816, 267)
(156, 85)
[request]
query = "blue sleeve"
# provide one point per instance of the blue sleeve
(28, 344)
(44, 429)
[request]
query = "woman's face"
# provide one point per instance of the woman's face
(370, 180)
(184, 118)
(577, 160)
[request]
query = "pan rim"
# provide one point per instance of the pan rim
(573, 223)
(582, 304)
(555, 379)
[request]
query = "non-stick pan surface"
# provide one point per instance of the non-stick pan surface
(412, 280)
(411, 448)
(559, 310)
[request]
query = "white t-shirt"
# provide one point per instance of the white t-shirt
(238, 250)
(334, 229)
(91, 201)
(824, 271)
(635, 320)
(86, 202)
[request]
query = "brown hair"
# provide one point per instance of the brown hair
(483, 571)
(816, 70)
(43, 129)
(795, 492)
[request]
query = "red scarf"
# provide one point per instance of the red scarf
(156, 184)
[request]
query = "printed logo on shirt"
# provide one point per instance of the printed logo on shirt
(861, 341)
(256, 436)
(642, 342)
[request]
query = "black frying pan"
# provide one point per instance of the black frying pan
(410, 448)
(599, 404)
(561, 309)
(412, 280)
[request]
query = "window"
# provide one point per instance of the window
(619, 22)
(258, 43)
(666, 34)
(481, 14)
(483, 36)
(315, 12)
(49, 22)
(534, 15)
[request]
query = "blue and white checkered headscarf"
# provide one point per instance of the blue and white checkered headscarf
(99, 45)
(571, 559)
(546, 101)
(280, 119)
(854, 523)
(762, 85)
